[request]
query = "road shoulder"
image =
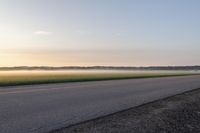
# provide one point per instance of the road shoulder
(179, 113)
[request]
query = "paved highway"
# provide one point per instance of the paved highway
(41, 108)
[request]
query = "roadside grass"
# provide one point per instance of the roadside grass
(29, 77)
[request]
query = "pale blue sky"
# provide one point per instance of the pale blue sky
(100, 32)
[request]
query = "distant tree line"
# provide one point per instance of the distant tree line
(101, 68)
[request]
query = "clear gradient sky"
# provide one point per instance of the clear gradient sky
(99, 32)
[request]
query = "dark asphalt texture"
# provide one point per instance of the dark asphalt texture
(176, 114)
(42, 108)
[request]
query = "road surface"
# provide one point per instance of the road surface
(42, 108)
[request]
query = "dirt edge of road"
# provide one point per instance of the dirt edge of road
(176, 114)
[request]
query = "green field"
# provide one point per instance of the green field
(9, 78)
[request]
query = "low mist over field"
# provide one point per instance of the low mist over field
(66, 62)
(23, 77)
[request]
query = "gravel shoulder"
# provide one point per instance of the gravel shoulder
(176, 114)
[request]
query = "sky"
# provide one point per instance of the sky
(99, 32)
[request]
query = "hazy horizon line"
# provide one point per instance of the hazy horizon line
(195, 67)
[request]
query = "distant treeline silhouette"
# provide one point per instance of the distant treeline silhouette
(101, 68)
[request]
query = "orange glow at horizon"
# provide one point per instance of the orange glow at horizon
(9, 58)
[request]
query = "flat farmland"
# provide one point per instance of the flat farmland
(11, 78)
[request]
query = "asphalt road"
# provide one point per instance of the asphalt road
(42, 108)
